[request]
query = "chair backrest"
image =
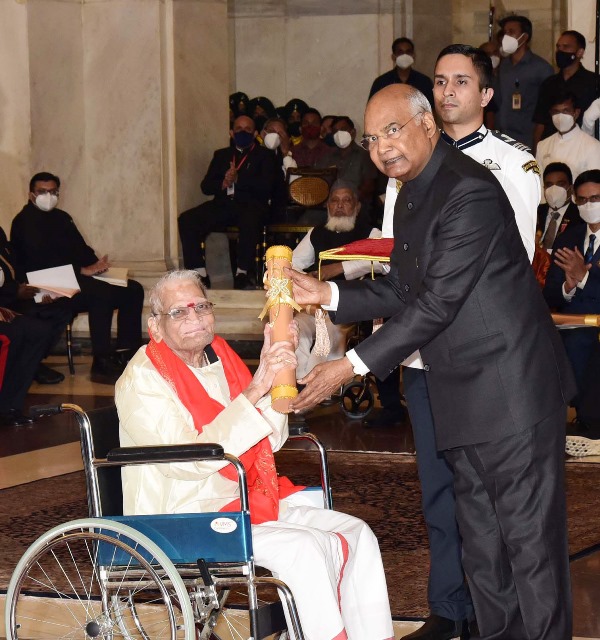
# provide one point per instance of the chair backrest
(98, 437)
(308, 186)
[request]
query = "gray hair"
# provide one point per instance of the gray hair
(417, 101)
(179, 275)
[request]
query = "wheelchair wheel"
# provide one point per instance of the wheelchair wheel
(357, 399)
(95, 578)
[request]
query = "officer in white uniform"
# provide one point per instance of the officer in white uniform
(462, 90)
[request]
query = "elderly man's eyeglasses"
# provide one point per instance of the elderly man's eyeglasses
(180, 313)
(393, 131)
(581, 200)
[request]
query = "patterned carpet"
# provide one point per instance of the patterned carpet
(381, 489)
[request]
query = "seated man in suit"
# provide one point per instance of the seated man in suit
(558, 212)
(573, 285)
(188, 386)
(343, 225)
(44, 236)
(242, 178)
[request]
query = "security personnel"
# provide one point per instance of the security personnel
(462, 90)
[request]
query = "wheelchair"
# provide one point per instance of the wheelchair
(148, 577)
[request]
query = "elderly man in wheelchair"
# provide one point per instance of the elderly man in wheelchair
(188, 386)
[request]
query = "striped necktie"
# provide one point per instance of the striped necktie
(589, 254)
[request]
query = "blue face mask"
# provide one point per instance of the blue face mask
(328, 140)
(243, 139)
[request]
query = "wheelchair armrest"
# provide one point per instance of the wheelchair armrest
(166, 453)
(297, 429)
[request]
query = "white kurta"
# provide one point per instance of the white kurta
(330, 560)
(579, 151)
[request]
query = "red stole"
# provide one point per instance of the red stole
(265, 488)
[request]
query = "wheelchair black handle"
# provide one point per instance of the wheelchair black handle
(297, 429)
(166, 453)
(41, 410)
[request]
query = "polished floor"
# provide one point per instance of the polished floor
(50, 447)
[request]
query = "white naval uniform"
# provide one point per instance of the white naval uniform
(579, 151)
(330, 560)
(515, 169)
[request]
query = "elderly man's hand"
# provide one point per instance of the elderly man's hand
(274, 357)
(321, 382)
(329, 271)
(308, 290)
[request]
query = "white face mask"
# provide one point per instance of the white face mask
(590, 212)
(556, 196)
(495, 61)
(510, 45)
(404, 61)
(46, 201)
(272, 140)
(563, 122)
(342, 138)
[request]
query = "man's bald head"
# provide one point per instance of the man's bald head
(244, 123)
(401, 131)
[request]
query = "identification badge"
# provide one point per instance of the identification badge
(231, 190)
(516, 101)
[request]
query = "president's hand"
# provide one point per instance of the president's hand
(308, 290)
(321, 382)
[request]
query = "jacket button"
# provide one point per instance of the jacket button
(426, 367)
(406, 246)
(409, 205)
(406, 287)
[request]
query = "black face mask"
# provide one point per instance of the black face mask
(294, 129)
(564, 59)
(259, 122)
(328, 140)
(243, 139)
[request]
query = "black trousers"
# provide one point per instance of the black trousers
(100, 299)
(195, 224)
(510, 507)
(30, 338)
(55, 315)
(447, 591)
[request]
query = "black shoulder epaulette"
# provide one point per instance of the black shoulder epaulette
(511, 141)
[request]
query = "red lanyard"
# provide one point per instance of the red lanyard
(243, 159)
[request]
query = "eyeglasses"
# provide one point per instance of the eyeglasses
(393, 132)
(41, 192)
(180, 313)
(580, 200)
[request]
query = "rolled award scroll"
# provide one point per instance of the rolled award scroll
(576, 320)
(280, 306)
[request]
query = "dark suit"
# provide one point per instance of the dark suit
(461, 290)
(570, 218)
(247, 208)
(579, 343)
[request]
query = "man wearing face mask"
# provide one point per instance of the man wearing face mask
(403, 57)
(352, 161)
(44, 236)
(572, 76)
(573, 286)
(275, 137)
(558, 213)
(520, 75)
(312, 148)
(242, 179)
(569, 144)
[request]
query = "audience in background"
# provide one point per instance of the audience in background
(294, 111)
(573, 282)
(242, 178)
(44, 236)
(558, 212)
(572, 77)
(403, 57)
(311, 148)
(569, 144)
(326, 132)
(520, 75)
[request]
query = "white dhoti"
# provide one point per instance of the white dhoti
(332, 564)
(307, 359)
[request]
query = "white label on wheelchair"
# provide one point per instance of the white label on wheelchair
(223, 525)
